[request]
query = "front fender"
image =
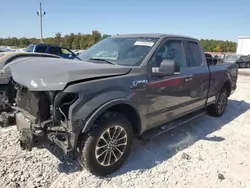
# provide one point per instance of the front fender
(90, 122)
(88, 104)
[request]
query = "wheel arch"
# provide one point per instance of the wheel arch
(122, 106)
(228, 85)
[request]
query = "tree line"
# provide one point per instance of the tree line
(84, 41)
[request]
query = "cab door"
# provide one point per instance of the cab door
(198, 70)
(169, 95)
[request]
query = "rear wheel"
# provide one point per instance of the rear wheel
(217, 109)
(108, 145)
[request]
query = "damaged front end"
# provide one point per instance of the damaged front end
(44, 114)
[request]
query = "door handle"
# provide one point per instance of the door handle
(188, 79)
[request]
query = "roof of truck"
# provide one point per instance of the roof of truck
(155, 35)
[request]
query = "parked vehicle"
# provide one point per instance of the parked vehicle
(243, 45)
(210, 58)
(242, 61)
(51, 49)
(5, 59)
(96, 107)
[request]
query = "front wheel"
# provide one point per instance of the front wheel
(217, 109)
(108, 145)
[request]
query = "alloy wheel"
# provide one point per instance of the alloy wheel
(222, 102)
(111, 145)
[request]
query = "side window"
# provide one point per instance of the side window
(55, 50)
(170, 50)
(66, 51)
(193, 54)
(41, 49)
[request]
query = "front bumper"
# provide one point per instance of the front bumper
(32, 133)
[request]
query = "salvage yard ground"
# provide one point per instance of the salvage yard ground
(207, 152)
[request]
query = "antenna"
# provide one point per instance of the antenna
(41, 14)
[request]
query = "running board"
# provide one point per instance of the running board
(154, 132)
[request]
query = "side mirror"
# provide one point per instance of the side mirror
(166, 68)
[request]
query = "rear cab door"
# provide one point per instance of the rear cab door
(199, 74)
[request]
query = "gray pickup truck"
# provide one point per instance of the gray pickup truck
(126, 86)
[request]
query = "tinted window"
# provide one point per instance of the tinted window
(55, 50)
(208, 55)
(171, 50)
(193, 54)
(243, 58)
(41, 49)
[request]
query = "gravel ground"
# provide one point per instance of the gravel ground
(207, 152)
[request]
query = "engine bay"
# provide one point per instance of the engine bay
(42, 113)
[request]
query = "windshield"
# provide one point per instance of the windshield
(30, 48)
(231, 57)
(123, 51)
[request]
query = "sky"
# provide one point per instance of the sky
(213, 19)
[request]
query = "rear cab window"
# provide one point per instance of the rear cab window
(193, 54)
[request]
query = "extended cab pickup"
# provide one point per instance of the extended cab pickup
(124, 86)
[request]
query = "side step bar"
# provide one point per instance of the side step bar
(152, 133)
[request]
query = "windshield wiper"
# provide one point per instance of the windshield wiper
(104, 60)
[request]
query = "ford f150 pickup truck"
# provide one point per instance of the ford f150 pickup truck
(141, 86)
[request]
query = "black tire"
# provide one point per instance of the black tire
(217, 109)
(89, 157)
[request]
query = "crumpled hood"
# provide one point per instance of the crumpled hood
(50, 74)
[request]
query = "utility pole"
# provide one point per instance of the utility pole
(41, 14)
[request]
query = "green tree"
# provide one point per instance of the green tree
(24, 42)
(58, 39)
(83, 41)
(96, 35)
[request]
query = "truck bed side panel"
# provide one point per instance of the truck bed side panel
(220, 74)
